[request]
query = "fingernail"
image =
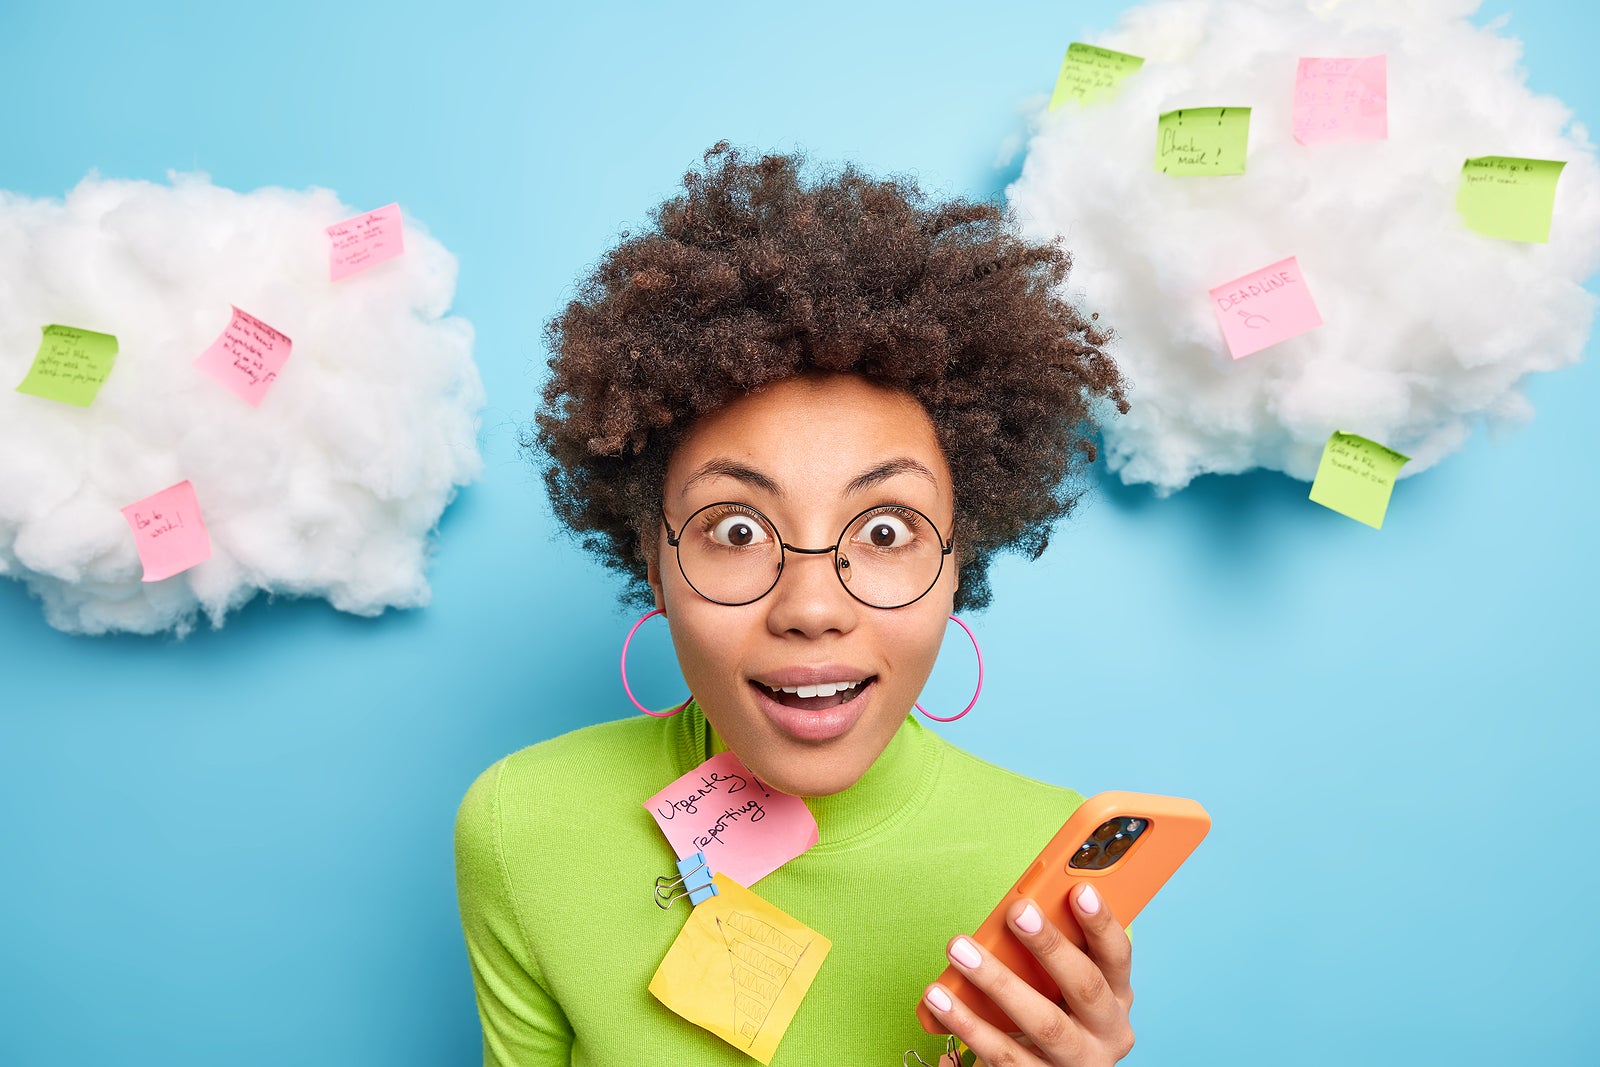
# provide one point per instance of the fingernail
(1029, 921)
(965, 953)
(1089, 901)
(939, 998)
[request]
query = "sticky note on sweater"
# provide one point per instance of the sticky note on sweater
(745, 829)
(740, 968)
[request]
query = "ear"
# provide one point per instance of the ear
(652, 574)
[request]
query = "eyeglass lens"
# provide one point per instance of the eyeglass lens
(886, 557)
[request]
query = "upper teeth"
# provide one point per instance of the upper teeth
(821, 689)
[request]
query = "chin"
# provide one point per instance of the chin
(821, 789)
(809, 753)
(813, 780)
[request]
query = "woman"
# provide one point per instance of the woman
(800, 419)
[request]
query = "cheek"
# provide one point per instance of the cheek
(913, 643)
(921, 631)
(709, 644)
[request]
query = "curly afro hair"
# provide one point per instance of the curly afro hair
(753, 276)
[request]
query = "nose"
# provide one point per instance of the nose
(809, 599)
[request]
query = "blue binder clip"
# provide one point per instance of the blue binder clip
(693, 881)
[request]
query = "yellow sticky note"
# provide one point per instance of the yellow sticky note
(1356, 477)
(1510, 198)
(1202, 140)
(71, 365)
(740, 969)
(1088, 73)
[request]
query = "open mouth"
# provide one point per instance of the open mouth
(817, 712)
(819, 697)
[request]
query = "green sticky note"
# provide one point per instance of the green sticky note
(71, 365)
(1089, 73)
(1502, 196)
(1356, 477)
(1202, 140)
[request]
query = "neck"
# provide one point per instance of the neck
(891, 788)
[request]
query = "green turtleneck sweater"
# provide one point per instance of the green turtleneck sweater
(556, 862)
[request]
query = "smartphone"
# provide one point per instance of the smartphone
(1126, 844)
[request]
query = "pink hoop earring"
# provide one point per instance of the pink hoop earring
(626, 688)
(973, 702)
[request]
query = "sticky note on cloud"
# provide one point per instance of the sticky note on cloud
(1089, 73)
(1341, 100)
(364, 241)
(1356, 477)
(168, 532)
(247, 357)
(746, 830)
(1509, 197)
(70, 366)
(740, 968)
(1264, 307)
(1202, 140)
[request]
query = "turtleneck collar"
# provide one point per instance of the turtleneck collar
(894, 787)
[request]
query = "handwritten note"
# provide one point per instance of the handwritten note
(740, 968)
(70, 366)
(1264, 307)
(364, 241)
(247, 357)
(1509, 198)
(1356, 477)
(744, 828)
(168, 532)
(1089, 73)
(1342, 100)
(1202, 140)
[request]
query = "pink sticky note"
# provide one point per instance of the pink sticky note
(1342, 100)
(746, 830)
(168, 532)
(1264, 307)
(364, 241)
(247, 357)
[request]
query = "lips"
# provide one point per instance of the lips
(813, 709)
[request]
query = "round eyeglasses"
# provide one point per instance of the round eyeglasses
(889, 556)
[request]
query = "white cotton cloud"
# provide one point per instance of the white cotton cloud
(330, 488)
(1429, 328)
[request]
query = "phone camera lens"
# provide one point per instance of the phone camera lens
(1118, 845)
(1086, 856)
(1106, 831)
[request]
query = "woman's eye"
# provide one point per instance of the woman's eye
(886, 531)
(738, 531)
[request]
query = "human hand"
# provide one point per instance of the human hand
(1089, 1029)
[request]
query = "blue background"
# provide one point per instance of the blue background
(236, 848)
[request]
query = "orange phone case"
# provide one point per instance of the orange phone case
(1174, 827)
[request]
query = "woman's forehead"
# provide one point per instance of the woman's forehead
(838, 435)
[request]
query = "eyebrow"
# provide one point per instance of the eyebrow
(886, 470)
(720, 467)
(727, 468)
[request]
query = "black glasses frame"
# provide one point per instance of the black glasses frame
(841, 564)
